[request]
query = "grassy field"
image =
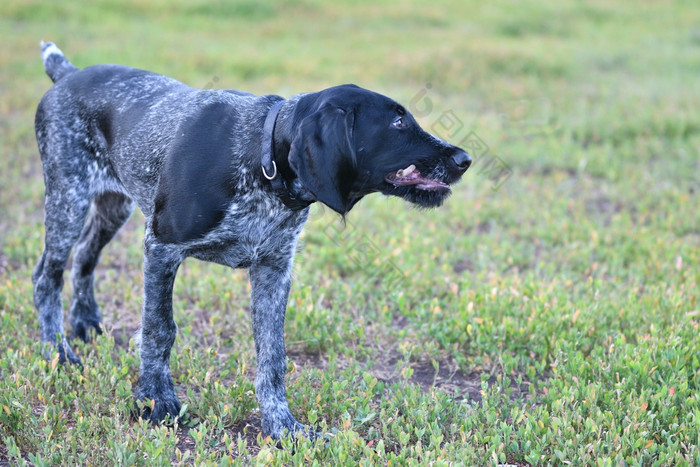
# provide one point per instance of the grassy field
(548, 314)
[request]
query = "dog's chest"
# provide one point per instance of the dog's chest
(256, 226)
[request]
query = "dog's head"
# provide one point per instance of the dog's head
(349, 142)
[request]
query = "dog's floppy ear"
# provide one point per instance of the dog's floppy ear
(323, 156)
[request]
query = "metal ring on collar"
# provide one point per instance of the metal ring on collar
(274, 173)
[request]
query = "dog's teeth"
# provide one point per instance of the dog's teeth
(405, 172)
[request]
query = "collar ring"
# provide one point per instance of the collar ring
(274, 171)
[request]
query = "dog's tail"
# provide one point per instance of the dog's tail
(55, 63)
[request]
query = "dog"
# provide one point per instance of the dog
(220, 175)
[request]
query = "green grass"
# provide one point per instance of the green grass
(550, 317)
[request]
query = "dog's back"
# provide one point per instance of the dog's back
(115, 125)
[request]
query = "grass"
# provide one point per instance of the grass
(548, 314)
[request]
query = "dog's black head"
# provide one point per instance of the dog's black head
(348, 142)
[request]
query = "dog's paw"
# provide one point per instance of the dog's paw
(156, 406)
(85, 320)
(86, 328)
(157, 410)
(284, 425)
(65, 354)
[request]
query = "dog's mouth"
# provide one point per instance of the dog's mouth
(411, 176)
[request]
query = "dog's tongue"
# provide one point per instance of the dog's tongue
(411, 176)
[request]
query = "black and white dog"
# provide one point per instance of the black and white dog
(220, 175)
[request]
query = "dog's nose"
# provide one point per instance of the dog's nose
(462, 160)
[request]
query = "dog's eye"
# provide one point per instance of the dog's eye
(400, 122)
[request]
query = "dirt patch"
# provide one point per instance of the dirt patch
(308, 360)
(444, 374)
(248, 429)
(3, 456)
(463, 265)
(184, 440)
(483, 227)
(123, 335)
(603, 209)
(448, 379)
(4, 264)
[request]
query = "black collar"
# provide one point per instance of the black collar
(269, 167)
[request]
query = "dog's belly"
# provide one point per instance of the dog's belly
(246, 236)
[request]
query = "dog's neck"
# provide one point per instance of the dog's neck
(275, 165)
(284, 132)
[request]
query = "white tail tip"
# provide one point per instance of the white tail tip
(49, 48)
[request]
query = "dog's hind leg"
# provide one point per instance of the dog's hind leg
(110, 211)
(67, 205)
(64, 156)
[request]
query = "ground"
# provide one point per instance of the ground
(549, 313)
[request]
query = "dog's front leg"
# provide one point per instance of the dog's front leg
(158, 330)
(270, 290)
